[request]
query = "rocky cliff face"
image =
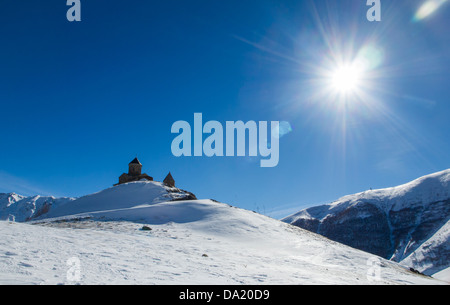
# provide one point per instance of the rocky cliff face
(392, 223)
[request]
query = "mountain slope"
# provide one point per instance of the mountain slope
(392, 223)
(190, 242)
(185, 242)
(123, 196)
(20, 208)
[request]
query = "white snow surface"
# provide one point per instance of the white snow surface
(418, 193)
(443, 275)
(20, 208)
(424, 190)
(423, 258)
(118, 197)
(190, 242)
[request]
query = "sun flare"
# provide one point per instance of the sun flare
(345, 79)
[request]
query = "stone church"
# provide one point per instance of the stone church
(135, 174)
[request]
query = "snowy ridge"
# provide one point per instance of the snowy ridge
(186, 242)
(425, 258)
(427, 189)
(392, 222)
(122, 197)
(20, 208)
(14, 207)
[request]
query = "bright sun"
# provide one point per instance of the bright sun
(346, 79)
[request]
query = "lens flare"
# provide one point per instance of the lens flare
(282, 129)
(369, 57)
(427, 9)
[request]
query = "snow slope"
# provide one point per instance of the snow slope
(407, 223)
(426, 257)
(20, 208)
(190, 242)
(122, 196)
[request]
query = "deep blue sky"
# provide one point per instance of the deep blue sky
(80, 100)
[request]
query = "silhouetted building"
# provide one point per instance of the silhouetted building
(169, 181)
(134, 173)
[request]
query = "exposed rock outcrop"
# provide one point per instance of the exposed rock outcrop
(392, 223)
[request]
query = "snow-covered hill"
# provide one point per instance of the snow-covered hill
(122, 197)
(15, 207)
(407, 223)
(131, 234)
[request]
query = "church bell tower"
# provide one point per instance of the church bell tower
(135, 167)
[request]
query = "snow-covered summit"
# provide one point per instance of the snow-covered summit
(392, 222)
(420, 192)
(186, 241)
(20, 208)
(122, 196)
(426, 189)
